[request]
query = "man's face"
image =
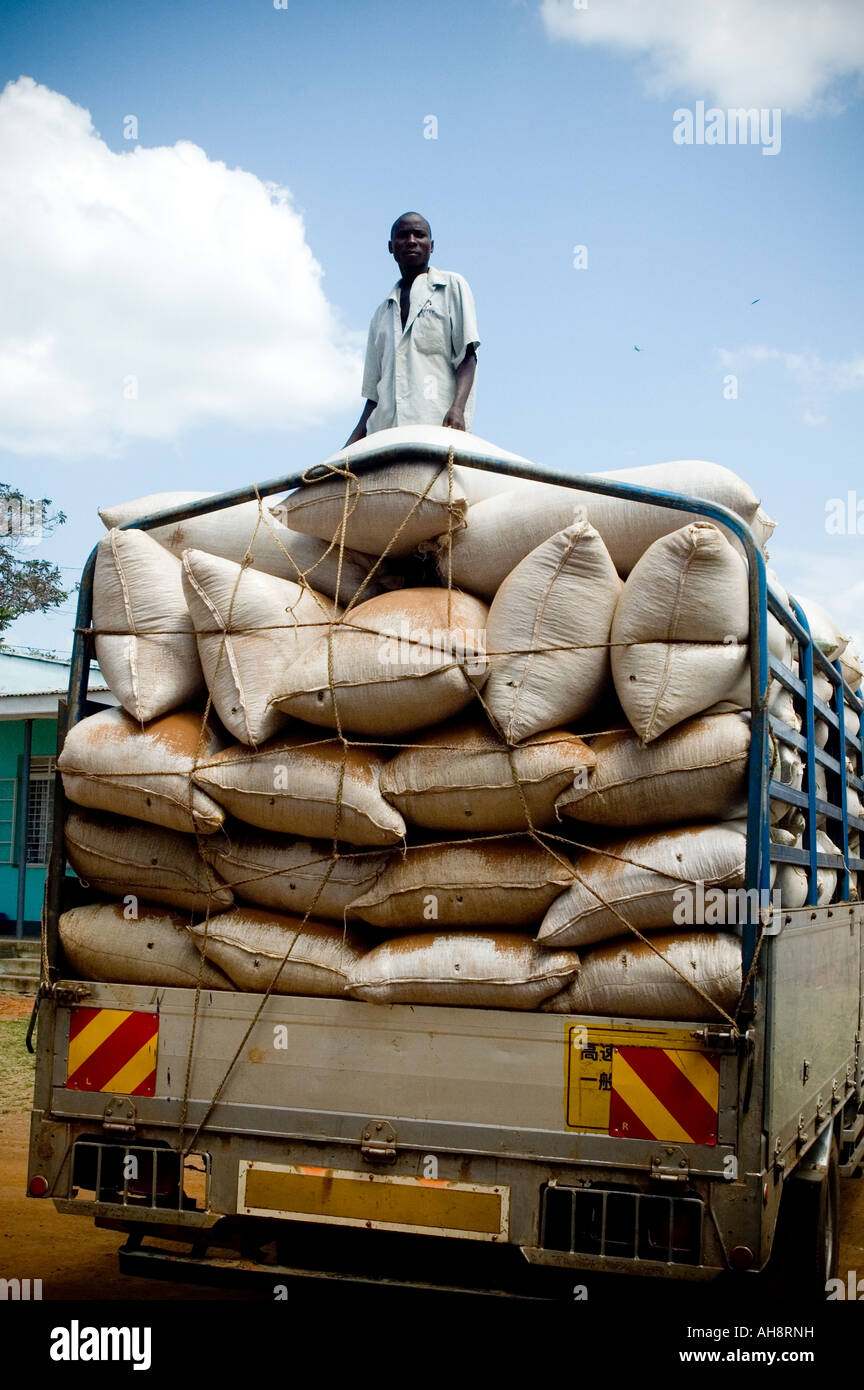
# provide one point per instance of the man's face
(412, 244)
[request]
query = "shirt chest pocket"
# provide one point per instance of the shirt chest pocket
(430, 332)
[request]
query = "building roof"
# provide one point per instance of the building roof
(33, 682)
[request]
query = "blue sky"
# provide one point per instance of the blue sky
(549, 136)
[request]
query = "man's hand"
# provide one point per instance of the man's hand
(359, 431)
(455, 416)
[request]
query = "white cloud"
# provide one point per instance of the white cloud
(786, 53)
(804, 368)
(808, 369)
(815, 376)
(158, 272)
(849, 376)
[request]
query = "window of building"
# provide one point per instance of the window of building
(40, 810)
(8, 808)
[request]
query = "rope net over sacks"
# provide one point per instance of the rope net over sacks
(434, 735)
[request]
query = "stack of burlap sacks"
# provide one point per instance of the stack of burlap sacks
(496, 787)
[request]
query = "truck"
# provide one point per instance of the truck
(288, 1138)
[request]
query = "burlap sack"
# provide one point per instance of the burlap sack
(387, 512)
(500, 530)
(788, 880)
(250, 628)
(235, 532)
(632, 979)
(826, 877)
(644, 881)
(680, 632)
(487, 970)
(145, 642)
(123, 857)
(548, 634)
(698, 769)
(254, 948)
(293, 876)
(110, 763)
(395, 664)
(463, 777)
(123, 512)
(154, 948)
(825, 632)
(401, 504)
(295, 785)
(852, 670)
(710, 482)
(487, 883)
(822, 688)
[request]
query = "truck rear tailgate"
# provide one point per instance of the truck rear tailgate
(472, 1081)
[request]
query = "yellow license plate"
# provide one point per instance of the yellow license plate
(377, 1201)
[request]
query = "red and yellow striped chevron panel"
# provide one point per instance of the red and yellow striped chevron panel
(112, 1050)
(661, 1093)
(641, 1083)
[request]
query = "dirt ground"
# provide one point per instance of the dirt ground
(74, 1260)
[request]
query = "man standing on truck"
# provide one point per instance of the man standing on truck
(421, 355)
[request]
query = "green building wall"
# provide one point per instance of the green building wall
(11, 754)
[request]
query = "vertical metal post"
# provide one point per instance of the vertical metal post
(758, 852)
(67, 716)
(24, 802)
(812, 844)
(840, 702)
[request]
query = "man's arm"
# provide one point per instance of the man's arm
(359, 431)
(371, 381)
(455, 416)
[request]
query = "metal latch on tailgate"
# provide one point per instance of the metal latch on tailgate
(672, 1165)
(378, 1142)
(119, 1115)
(63, 992)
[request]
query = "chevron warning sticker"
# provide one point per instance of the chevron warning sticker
(654, 1083)
(661, 1093)
(112, 1050)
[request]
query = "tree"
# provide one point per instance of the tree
(26, 585)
